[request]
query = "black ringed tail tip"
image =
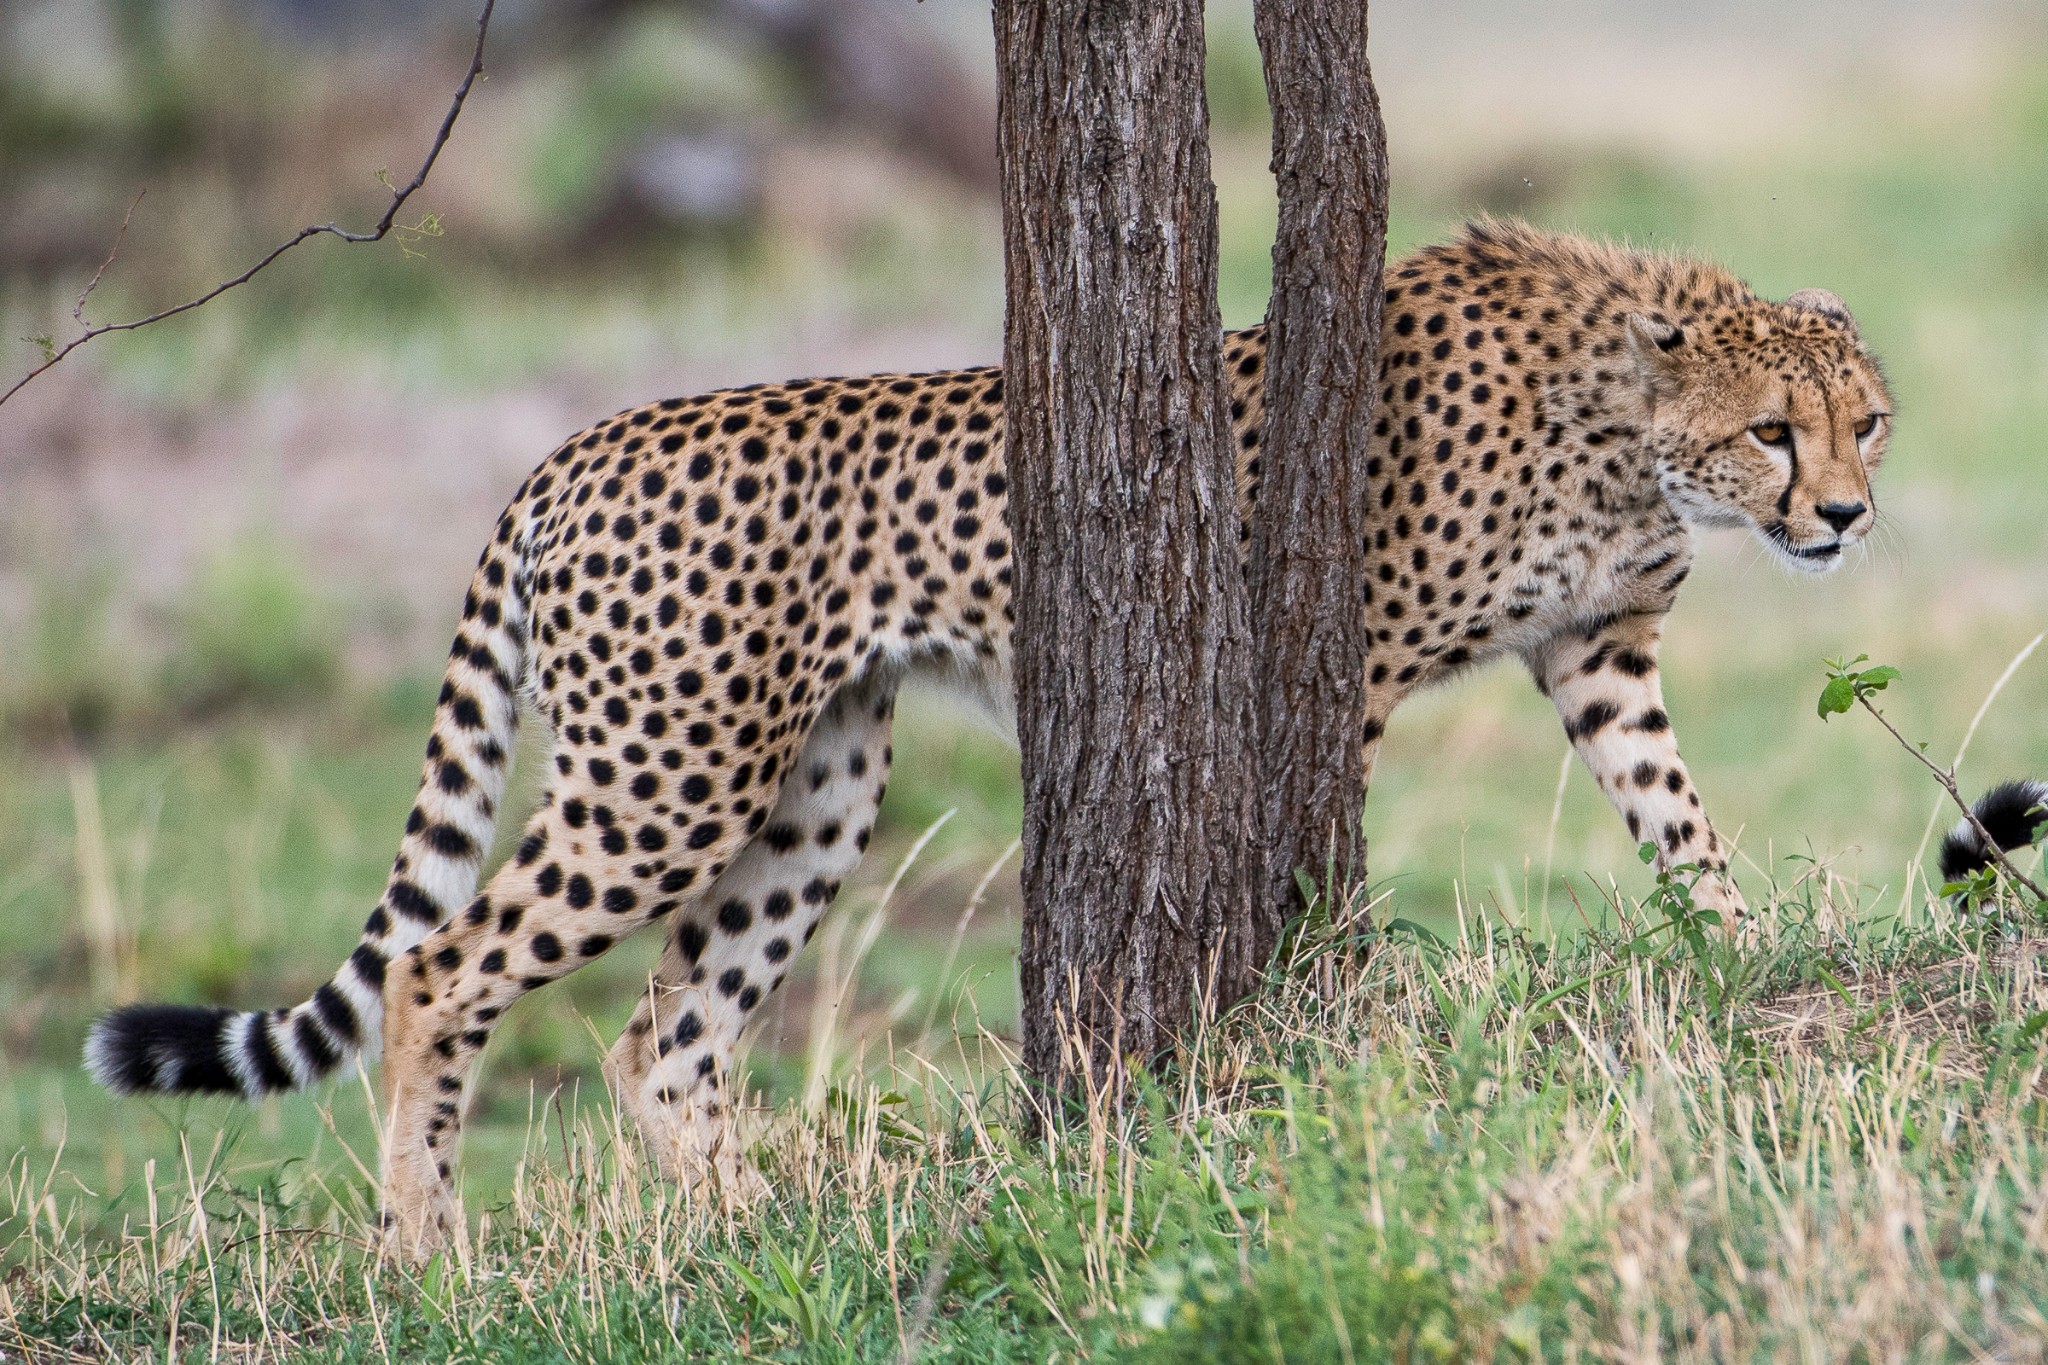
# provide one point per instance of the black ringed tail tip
(2010, 812)
(208, 1050)
(162, 1049)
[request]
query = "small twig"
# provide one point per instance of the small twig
(78, 309)
(377, 233)
(1947, 778)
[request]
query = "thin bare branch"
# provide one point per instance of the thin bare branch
(1947, 778)
(78, 309)
(377, 233)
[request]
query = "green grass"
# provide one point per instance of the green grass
(1825, 1147)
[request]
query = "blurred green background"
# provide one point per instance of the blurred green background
(232, 546)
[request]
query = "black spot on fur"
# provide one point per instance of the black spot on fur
(1596, 717)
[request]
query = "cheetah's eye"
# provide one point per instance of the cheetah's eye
(1771, 433)
(1866, 426)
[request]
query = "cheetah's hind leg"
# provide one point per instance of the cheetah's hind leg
(572, 891)
(673, 1066)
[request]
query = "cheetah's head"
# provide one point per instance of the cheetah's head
(1771, 416)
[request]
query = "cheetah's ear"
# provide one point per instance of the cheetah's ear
(1655, 347)
(1827, 304)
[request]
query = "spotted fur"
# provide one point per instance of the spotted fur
(711, 601)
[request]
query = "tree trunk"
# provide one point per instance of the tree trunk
(1322, 380)
(1132, 639)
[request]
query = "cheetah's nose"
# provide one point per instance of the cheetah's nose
(1840, 515)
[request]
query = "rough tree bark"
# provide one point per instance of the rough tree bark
(1132, 639)
(1322, 381)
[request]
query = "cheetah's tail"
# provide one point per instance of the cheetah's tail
(184, 1049)
(2010, 812)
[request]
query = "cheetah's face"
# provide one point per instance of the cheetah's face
(1771, 416)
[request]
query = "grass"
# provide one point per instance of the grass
(251, 630)
(1494, 1148)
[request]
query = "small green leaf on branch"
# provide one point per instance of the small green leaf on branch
(1848, 684)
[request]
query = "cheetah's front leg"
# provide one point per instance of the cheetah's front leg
(1604, 684)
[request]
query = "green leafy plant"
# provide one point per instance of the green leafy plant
(803, 1290)
(1977, 889)
(1686, 919)
(1848, 685)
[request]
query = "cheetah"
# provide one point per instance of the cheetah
(711, 602)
